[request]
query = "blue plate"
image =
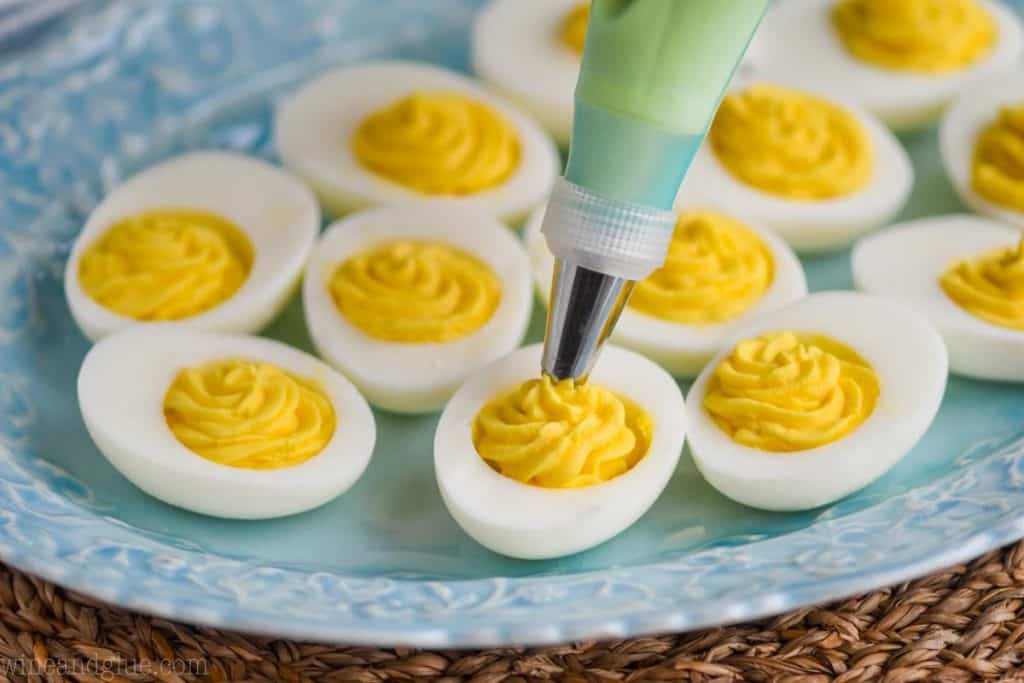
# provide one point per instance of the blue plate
(134, 82)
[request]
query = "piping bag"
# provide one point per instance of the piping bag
(652, 75)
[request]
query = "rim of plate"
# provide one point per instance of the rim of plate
(828, 560)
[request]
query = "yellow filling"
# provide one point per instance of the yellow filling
(925, 36)
(166, 264)
(438, 143)
(998, 168)
(574, 27)
(791, 144)
(715, 270)
(990, 287)
(790, 391)
(562, 434)
(416, 292)
(249, 414)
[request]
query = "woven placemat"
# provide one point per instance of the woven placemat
(962, 624)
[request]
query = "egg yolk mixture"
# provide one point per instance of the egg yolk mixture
(438, 143)
(997, 172)
(166, 264)
(249, 414)
(715, 270)
(416, 292)
(790, 391)
(791, 144)
(562, 434)
(925, 36)
(990, 287)
(574, 27)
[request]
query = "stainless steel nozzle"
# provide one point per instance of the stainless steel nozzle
(584, 306)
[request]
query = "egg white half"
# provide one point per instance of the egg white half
(797, 41)
(313, 128)
(279, 215)
(532, 522)
(121, 388)
(817, 225)
(416, 378)
(907, 354)
(681, 349)
(905, 262)
(518, 51)
(975, 108)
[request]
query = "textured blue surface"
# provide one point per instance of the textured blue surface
(134, 82)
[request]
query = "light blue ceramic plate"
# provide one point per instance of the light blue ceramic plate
(133, 82)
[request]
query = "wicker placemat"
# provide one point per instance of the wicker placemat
(961, 624)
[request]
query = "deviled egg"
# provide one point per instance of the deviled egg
(534, 468)
(408, 301)
(815, 400)
(214, 240)
(817, 171)
(530, 51)
(225, 425)
(966, 275)
(902, 60)
(982, 143)
(390, 132)
(719, 270)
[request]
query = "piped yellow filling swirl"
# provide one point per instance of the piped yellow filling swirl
(574, 27)
(166, 264)
(248, 414)
(790, 391)
(562, 434)
(438, 143)
(791, 144)
(997, 171)
(925, 36)
(416, 292)
(715, 270)
(990, 287)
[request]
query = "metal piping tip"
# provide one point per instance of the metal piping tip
(585, 305)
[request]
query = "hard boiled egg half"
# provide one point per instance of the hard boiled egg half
(391, 132)
(982, 142)
(818, 171)
(966, 275)
(225, 425)
(534, 468)
(815, 400)
(530, 51)
(902, 60)
(213, 240)
(719, 270)
(408, 301)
